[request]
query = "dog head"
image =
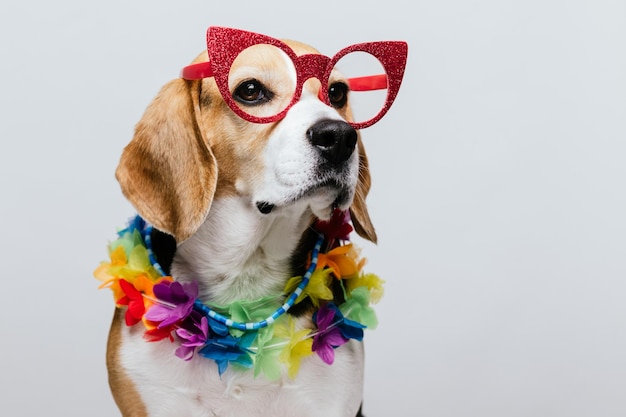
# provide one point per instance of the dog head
(191, 148)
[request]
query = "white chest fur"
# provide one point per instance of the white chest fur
(259, 247)
(255, 261)
(171, 387)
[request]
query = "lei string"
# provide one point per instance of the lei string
(266, 339)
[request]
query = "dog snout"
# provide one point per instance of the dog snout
(335, 139)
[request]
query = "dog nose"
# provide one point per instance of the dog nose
(335, 139)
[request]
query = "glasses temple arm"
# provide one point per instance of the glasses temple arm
(368, 82)
(197, 71)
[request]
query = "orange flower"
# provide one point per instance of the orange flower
(343, 260)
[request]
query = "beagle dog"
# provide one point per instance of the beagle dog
(232, 165)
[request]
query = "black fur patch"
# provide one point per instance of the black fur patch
(164, 248)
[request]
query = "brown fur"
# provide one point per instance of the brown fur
(126, 396)
(170, 149)
(186, 151)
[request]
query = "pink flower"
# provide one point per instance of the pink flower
(176, 302)
(192, 339)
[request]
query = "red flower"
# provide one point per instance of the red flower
(134, 300)
(156, 334)
(338, 227)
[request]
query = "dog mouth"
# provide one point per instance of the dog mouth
(329, 193)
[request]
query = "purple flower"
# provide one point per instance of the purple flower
(176, 302)
(190, 339)
(329, 335)
(334, 330)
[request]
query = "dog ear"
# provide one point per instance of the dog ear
(167, 171)
(358, 211)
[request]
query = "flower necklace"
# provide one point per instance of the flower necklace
(246, 334)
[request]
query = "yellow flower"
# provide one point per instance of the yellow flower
(128, 267)
(298, 347)
(317, 289)
(372, 282)
(105, 272)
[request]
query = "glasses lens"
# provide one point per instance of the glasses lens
(367, 84)
(262, 80)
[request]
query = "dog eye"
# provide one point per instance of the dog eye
(251, 92)
(338, 94)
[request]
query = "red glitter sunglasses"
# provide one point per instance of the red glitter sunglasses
(261, 89)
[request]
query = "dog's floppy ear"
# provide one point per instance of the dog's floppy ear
(167, 171)
(358, 211)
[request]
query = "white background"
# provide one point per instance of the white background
(498, 194)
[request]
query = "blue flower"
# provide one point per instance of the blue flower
(228, 349)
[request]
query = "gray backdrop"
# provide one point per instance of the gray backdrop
(498, 194)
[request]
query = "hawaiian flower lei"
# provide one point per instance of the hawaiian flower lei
(171, 310)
